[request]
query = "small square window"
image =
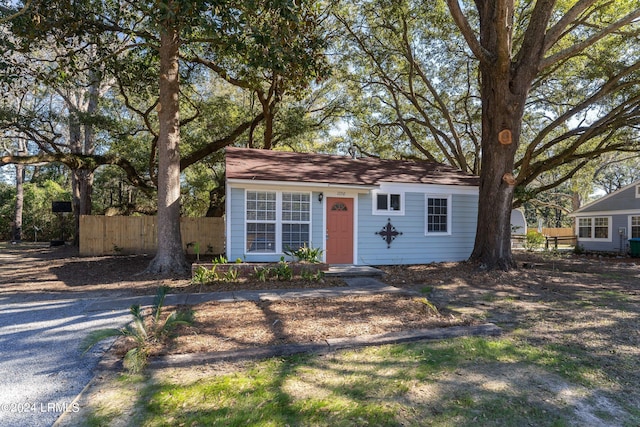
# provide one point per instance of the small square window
(388, 203)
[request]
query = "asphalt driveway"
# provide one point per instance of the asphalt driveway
(41, 369)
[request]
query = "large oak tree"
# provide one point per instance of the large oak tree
(525, 94)
(244, 42)
(514, 45)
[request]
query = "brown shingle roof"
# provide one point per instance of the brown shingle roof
(269, 165)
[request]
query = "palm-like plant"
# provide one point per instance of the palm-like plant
(144, 330)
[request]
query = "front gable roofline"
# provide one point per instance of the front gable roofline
(268, 165)
(604, 198)
(604, 213)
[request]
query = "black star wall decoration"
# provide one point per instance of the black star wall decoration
(388, 233)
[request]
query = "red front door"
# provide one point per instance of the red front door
(339, 230)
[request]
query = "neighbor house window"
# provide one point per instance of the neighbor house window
(438, 215)
(637, 191)
(584, 228)
(277, 221)
(601, 228)
(387, 203)
(296, 217)
(635, 227)
(261, 221)
(596, 228)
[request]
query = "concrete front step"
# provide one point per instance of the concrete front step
(353, 271)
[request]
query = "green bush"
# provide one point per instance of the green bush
(144, 330)
(305, 253)
(534, 240)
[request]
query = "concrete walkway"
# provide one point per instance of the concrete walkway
(356, 285)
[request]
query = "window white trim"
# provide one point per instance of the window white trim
(449, 214)
(631, 226)
(593, 220)
(638, 191)
(279, 221)
(391, 197)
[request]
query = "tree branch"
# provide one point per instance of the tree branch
(218, 70)
(480, 52)
(79, 161)
(579, 47)
(198, 155)
(557, 30)
(22, 11)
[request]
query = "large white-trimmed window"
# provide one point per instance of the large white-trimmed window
(634, 227)
(594, 228)
(277, 221)
(261, 221)
(388, 203)
(296, 217)
(438, 214)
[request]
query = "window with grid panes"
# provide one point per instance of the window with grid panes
(584, 228)
(635, 227)
(296, 218)
(261, 221)
(437, 214)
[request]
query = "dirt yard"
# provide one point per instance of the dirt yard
(589, 306)
(590, 302)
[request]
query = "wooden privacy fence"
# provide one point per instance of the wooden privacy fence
(103, 235)
(555, 237)
(558, 232)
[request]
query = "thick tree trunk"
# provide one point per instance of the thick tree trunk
(82, 190)
(503, 100)
(170, 257)
(17, 224)
(216, 202)
(82, 141)
(493, 234)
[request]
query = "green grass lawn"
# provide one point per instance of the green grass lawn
(457, 382)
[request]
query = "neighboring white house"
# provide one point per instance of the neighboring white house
(608, 223)
(518, 222)
(362, 211)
